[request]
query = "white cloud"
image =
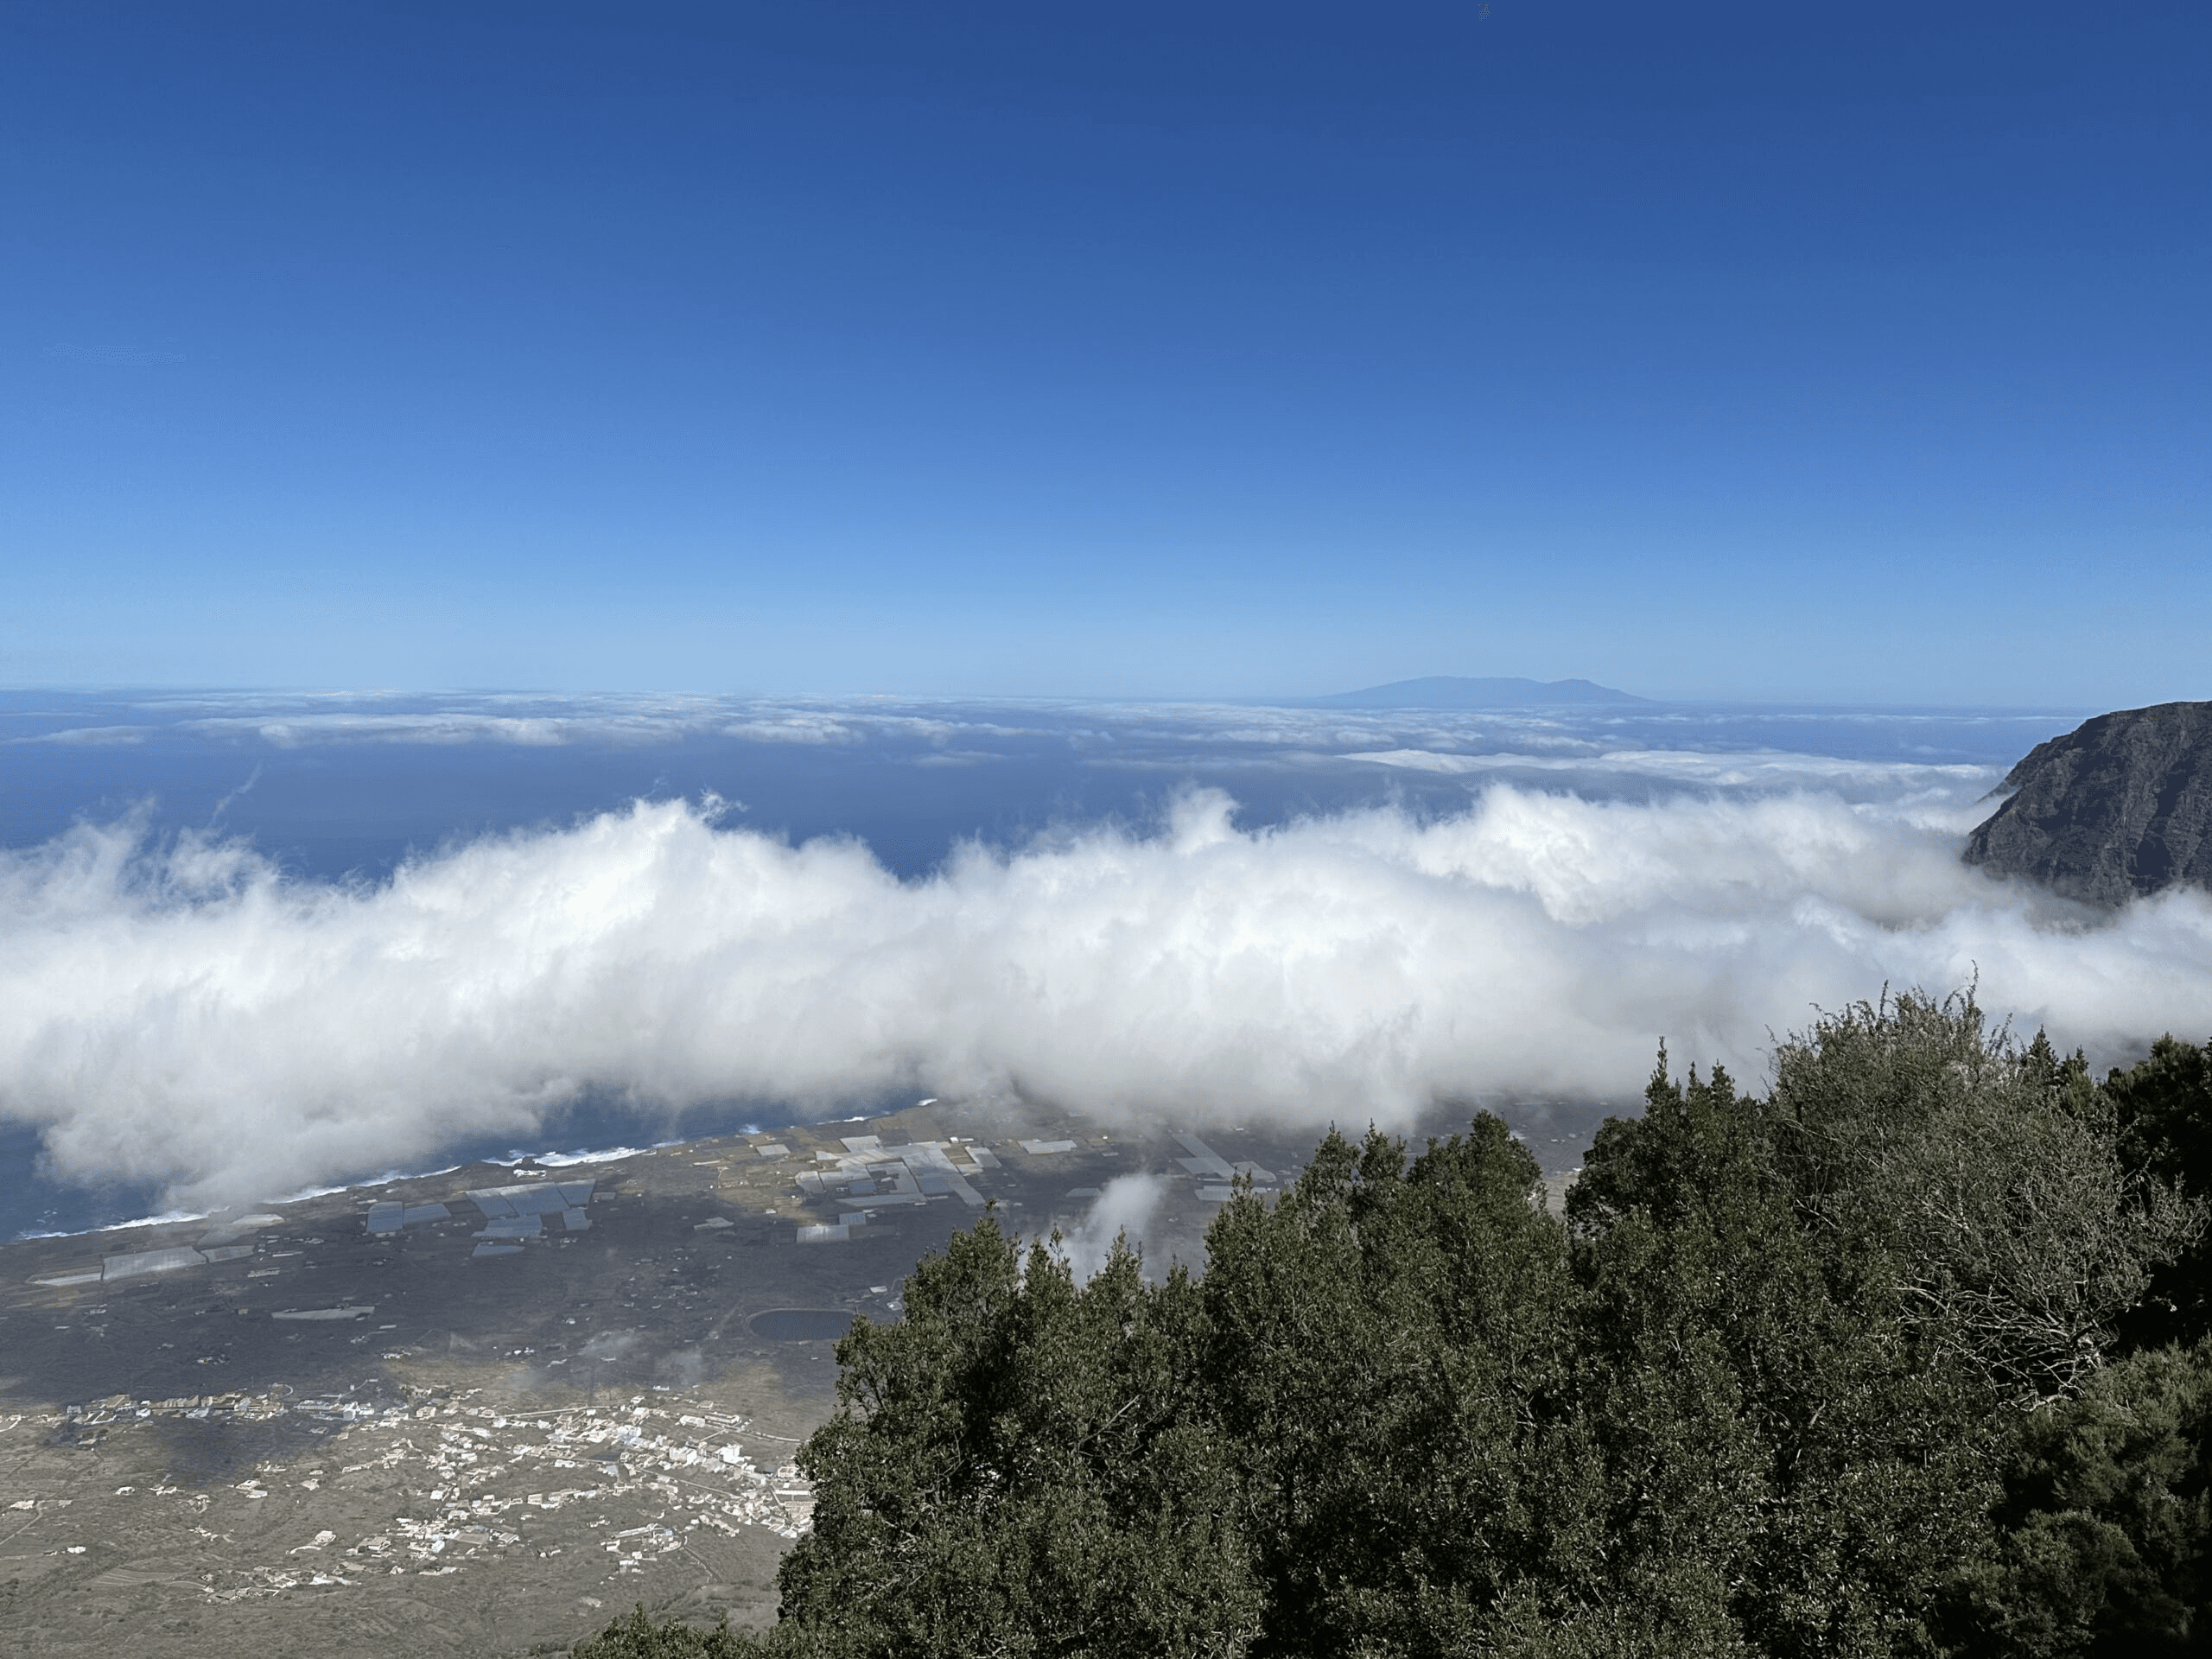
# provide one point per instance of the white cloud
(184, 1014)
(1768, 769)
(299, 721)
(1123, 1209)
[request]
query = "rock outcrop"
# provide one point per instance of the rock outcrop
(2119, 808)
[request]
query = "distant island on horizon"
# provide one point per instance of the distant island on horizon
(1453, 691)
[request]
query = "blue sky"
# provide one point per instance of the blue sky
(1711, 350)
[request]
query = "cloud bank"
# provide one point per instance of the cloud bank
(179, 1011)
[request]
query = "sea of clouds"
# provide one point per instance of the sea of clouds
(176, 1010)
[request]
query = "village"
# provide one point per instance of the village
(487, 1474)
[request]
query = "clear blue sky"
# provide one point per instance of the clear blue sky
(1759, 350)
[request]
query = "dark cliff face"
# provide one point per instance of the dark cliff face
(2119, 808)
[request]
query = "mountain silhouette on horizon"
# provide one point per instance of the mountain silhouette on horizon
(1452, 691)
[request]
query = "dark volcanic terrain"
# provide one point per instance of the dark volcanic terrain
(2118, 809)
(481, 1412)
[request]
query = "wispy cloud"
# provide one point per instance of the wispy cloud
(1690, 748)
(1768, 770)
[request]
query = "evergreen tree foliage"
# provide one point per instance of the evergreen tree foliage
(2108, 1524)
(1390, 1351)
(636, 1635)
(1879, 1363)
(2164, 1109)
(1025, 1465)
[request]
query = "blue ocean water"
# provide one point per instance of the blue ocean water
(337, 787)
(346, 788)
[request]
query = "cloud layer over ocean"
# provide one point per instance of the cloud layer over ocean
(176, 1010)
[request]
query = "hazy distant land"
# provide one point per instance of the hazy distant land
(1447, 691)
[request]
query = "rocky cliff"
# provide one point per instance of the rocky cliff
(2119, 808)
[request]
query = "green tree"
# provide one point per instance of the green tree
(1785, 1473)
(1025, 1466)
(1819, 1321)
(1988, 1176)
(2108, 1519)
(1829, 1371)
(2163, 1106)
(1391, 1349)
(637, 1635)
